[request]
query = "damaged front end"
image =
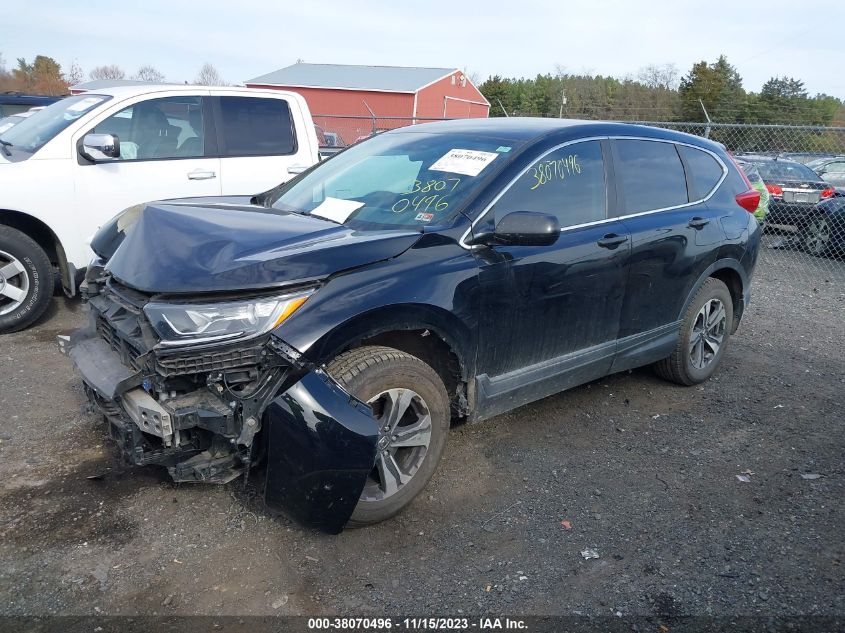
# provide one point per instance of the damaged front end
(210, 412)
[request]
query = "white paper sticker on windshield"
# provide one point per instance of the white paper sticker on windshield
(337, 210)
(469, 162)
(84, 104)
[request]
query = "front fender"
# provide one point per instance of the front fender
(321, 446)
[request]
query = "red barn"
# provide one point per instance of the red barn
(384, 96)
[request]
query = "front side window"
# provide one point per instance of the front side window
(397, 180)
(568, 183)
(651, 175)
(171, 127)
(37, 130)
(252, 126)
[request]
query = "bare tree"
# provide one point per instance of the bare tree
(148, 73)
(112, 71)
(3, 70)
(75, 74)
(654, 76)
(208, 76)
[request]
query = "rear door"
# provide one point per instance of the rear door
(675, 236)
(259, 142)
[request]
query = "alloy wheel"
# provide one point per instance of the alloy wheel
(817, 236)
(14, 283)
(404, 437)
(708, 333)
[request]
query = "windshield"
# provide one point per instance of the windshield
(397, 180)
(35, 131)
(786, 170)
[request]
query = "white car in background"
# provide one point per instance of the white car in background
(8, 122)
(67, 169)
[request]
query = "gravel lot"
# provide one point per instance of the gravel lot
(643, 472)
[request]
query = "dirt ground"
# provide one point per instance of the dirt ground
(643, 472)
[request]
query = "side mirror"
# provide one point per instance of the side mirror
(98, 147)
(523, 228)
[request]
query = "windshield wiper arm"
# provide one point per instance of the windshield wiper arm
(5, 145)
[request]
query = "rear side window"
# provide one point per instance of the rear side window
(567, 183)
(253, 126)
(705, 171)
(650, 174)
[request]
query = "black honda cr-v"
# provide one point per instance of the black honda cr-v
(329, 330)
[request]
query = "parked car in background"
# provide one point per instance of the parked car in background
(794, 189)
(331, 328)
(8, 122)
(803, 157)
(17, 102)
(753, 175)
(67, 169)
(824, 233)
(831, 170)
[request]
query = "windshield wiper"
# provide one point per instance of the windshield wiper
(5, 145)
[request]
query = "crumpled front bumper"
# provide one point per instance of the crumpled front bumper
(320, 441)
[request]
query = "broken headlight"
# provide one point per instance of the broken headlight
(187, 323)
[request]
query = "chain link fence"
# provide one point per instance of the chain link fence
(799, 171)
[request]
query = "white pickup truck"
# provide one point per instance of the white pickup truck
(70, 167)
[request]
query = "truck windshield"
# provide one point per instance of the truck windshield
(397, 180)
(33, 133)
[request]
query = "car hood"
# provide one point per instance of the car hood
(226, 244)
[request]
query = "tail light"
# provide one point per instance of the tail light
(749, 200)
(775, 190)
(827, 193)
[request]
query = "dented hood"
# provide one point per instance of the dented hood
(227, 244)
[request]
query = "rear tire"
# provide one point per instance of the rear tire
(705, 332)
(410, 445)
(815, 236)
(26, 280)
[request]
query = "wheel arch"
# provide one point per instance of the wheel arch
(733, 275)
(432, 334)
(46, 238)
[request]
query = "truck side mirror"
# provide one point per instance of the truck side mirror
(99, 147)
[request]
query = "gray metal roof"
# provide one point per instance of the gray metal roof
(100, 84)
(383, 78)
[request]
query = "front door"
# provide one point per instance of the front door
(550, 315)
(163, 151)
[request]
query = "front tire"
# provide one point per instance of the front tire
(411, 405)
(26, 280)
(705, 332)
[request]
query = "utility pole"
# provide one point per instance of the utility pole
(562, 103)
(706, 116)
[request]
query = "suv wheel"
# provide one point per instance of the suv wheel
(26, 280)
(411, 405)
(704, 336)
(815, 237)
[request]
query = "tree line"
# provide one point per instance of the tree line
(660, 93)
(45, 76)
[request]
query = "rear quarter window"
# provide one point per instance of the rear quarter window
(705, 172)
(253, 126)
(649, 175)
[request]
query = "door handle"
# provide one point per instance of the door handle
(297, 169)
(612, 240)
(697, 223)
(198, 174)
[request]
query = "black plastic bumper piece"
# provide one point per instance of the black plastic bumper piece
(321, 448)
(101, 367)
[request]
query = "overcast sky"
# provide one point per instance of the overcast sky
(247, 38)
